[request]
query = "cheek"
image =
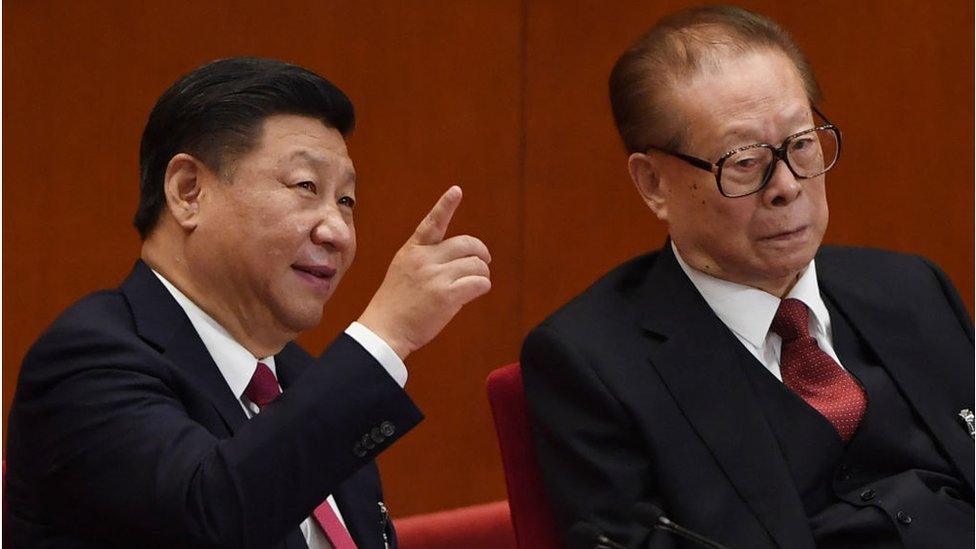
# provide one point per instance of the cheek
(280, 239)
(821, 202)
(734, 221)
(697, 194)
(693, 194)
(690, 200)
(349, 254)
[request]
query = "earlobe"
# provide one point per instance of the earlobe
(652, 187)
(182, 188)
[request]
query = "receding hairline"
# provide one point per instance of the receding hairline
(682, 45)
(671, 96)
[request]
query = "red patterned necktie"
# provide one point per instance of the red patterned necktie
(262, 390)
(813, 375)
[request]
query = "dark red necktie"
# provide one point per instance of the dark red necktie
(262, 390)
(813, 375)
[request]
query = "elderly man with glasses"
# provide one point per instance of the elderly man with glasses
(745, 382)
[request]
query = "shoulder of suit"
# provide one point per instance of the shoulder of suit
(293, 351)
(873, 262)
(609, 298)
(99, 324)
(883, 277)
(104, 310)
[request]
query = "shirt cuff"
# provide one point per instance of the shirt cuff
(382, 352)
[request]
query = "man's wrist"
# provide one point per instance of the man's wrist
(380, 349)
(388, 336)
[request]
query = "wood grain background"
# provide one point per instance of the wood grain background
(505, 97)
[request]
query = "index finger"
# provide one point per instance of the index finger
(434, 226)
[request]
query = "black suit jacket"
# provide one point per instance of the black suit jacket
(635, 395)
(124, 433)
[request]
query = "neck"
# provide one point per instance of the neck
(250, 331)
(783, 289)
(779, 287)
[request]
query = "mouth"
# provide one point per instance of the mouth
(318, 271)
(786, 236)
(319, 277)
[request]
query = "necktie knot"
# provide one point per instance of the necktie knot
(263, 387)
(792, 320)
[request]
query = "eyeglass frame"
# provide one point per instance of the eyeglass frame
(779, 153)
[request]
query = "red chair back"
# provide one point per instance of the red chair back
(484, 526)
(532, 519)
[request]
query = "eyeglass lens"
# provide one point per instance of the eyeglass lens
(809, 154)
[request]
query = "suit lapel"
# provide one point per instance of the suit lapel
(290, 363)
(161, 321)
(887, 330)
(695, 356)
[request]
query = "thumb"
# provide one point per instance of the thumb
(434, 226)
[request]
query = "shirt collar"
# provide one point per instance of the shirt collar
(235, 362)
(749, 311)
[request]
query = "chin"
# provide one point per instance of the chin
(301, 319)
(784, 268)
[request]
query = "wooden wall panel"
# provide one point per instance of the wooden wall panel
(507, 98)
(898, 80)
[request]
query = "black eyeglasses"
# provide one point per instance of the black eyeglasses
(747, 170)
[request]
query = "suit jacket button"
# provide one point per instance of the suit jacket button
(868, 495)
(387, 429)
(904, 518)
(368, 442)
(358, 450)
(376, 435)
(843, 473)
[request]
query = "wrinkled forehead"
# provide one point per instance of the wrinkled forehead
(753, 88)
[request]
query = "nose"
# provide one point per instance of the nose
(783, 187)
(334, 230)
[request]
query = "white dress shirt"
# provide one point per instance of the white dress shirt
(748, 312)
(237, 366)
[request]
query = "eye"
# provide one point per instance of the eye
(347, 201)
(308, 185)
(745, 162)
(802, 143)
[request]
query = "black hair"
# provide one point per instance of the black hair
(216, 113)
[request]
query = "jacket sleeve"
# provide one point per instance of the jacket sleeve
(99, 431)
(593, 464)
(952, 296)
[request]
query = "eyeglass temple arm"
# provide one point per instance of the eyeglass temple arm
(696, 162)
(820, 114)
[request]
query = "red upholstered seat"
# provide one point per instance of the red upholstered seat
(485, 526)
(535, 527)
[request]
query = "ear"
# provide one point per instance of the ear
(182, 186)
(645, 171)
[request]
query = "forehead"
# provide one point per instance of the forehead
(293, 140)
(758, 93)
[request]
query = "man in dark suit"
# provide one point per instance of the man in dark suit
(150, 415)
(759, 389)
